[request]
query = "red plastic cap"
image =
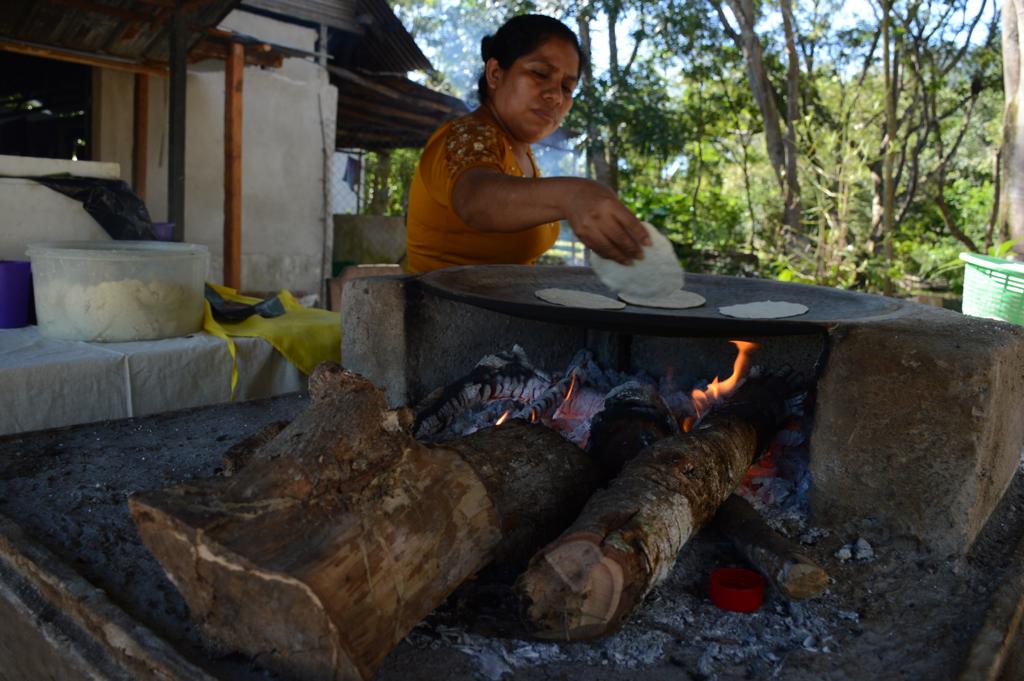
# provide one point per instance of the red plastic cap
(737, 589)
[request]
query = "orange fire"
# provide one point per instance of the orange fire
(719, 390)
(501, 419)
(572, 385)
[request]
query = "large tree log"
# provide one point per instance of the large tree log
(343, 532)
(587, 582)
(781, 561)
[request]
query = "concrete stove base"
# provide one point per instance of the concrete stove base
(919, 416)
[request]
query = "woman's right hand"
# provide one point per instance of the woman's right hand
(603, 223)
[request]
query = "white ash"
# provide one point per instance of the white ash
(677, 624)
(812, 536)
(862, 550)
(859, 550)
(629, 649)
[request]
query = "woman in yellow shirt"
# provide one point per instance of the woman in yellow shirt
(477, 196)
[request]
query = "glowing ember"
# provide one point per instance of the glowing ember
(719, 390)
(502, 418)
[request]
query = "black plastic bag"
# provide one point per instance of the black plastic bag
(111, 203)
(233, 311)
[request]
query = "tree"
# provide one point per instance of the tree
(1011, 185)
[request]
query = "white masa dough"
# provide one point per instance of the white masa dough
(657, 275)
(128, 309)
(573, 298)
(764, 309)
(677, 300)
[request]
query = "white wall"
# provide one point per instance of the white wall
(288, 135)
(31, 212)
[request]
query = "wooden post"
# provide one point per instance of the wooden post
(235, 65)
(178, 36)
(140, 134)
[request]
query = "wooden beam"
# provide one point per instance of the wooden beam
(254, 55)
(178, 37)
(140, 133)
(75, 57)
(233, 166)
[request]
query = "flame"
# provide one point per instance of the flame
(501, 419)
(533, 416)
(719, 390)
(572, 385)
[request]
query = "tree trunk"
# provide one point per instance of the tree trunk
(760, 86)
(597, 162)
(1011, 195)
(381, 177)
(587, 582)
(340, 534)
(793, 214)
(888, 158)
(611, 168)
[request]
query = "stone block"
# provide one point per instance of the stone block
(373, 333)
(918, 424)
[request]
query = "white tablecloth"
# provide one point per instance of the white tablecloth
(48, 383)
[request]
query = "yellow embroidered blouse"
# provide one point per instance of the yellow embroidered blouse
(436, 237)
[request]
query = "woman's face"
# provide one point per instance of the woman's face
(532, 97)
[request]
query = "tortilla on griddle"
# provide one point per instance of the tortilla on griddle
(583, 299)
(677, 300)
(764, 309)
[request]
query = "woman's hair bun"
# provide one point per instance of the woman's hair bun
(486, 46)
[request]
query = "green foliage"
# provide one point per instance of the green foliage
(680, 125)
(394, 182)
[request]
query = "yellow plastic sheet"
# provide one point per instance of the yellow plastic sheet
(303, 335)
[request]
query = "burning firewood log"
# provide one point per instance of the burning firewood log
(335, 538)
(634, 417)
(586, 583)
(777, 558)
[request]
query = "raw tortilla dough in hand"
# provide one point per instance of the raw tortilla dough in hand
(764, 309)
(657, 275)
(572, 298)
(677, 300)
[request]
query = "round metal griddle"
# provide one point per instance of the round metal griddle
(510, 289)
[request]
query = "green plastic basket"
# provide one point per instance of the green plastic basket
(993, 288)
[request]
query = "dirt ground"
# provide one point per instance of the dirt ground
(897, 612)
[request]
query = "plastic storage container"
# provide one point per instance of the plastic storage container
(993, 288)
(118, 290)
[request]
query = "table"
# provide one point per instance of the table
(46, 383)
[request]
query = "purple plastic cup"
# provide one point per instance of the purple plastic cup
(164, 230)
(15, 293)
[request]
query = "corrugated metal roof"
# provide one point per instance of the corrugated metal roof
(387, 47)
(135, 30)
(387, 112)
(372, 37)
(340, 14)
